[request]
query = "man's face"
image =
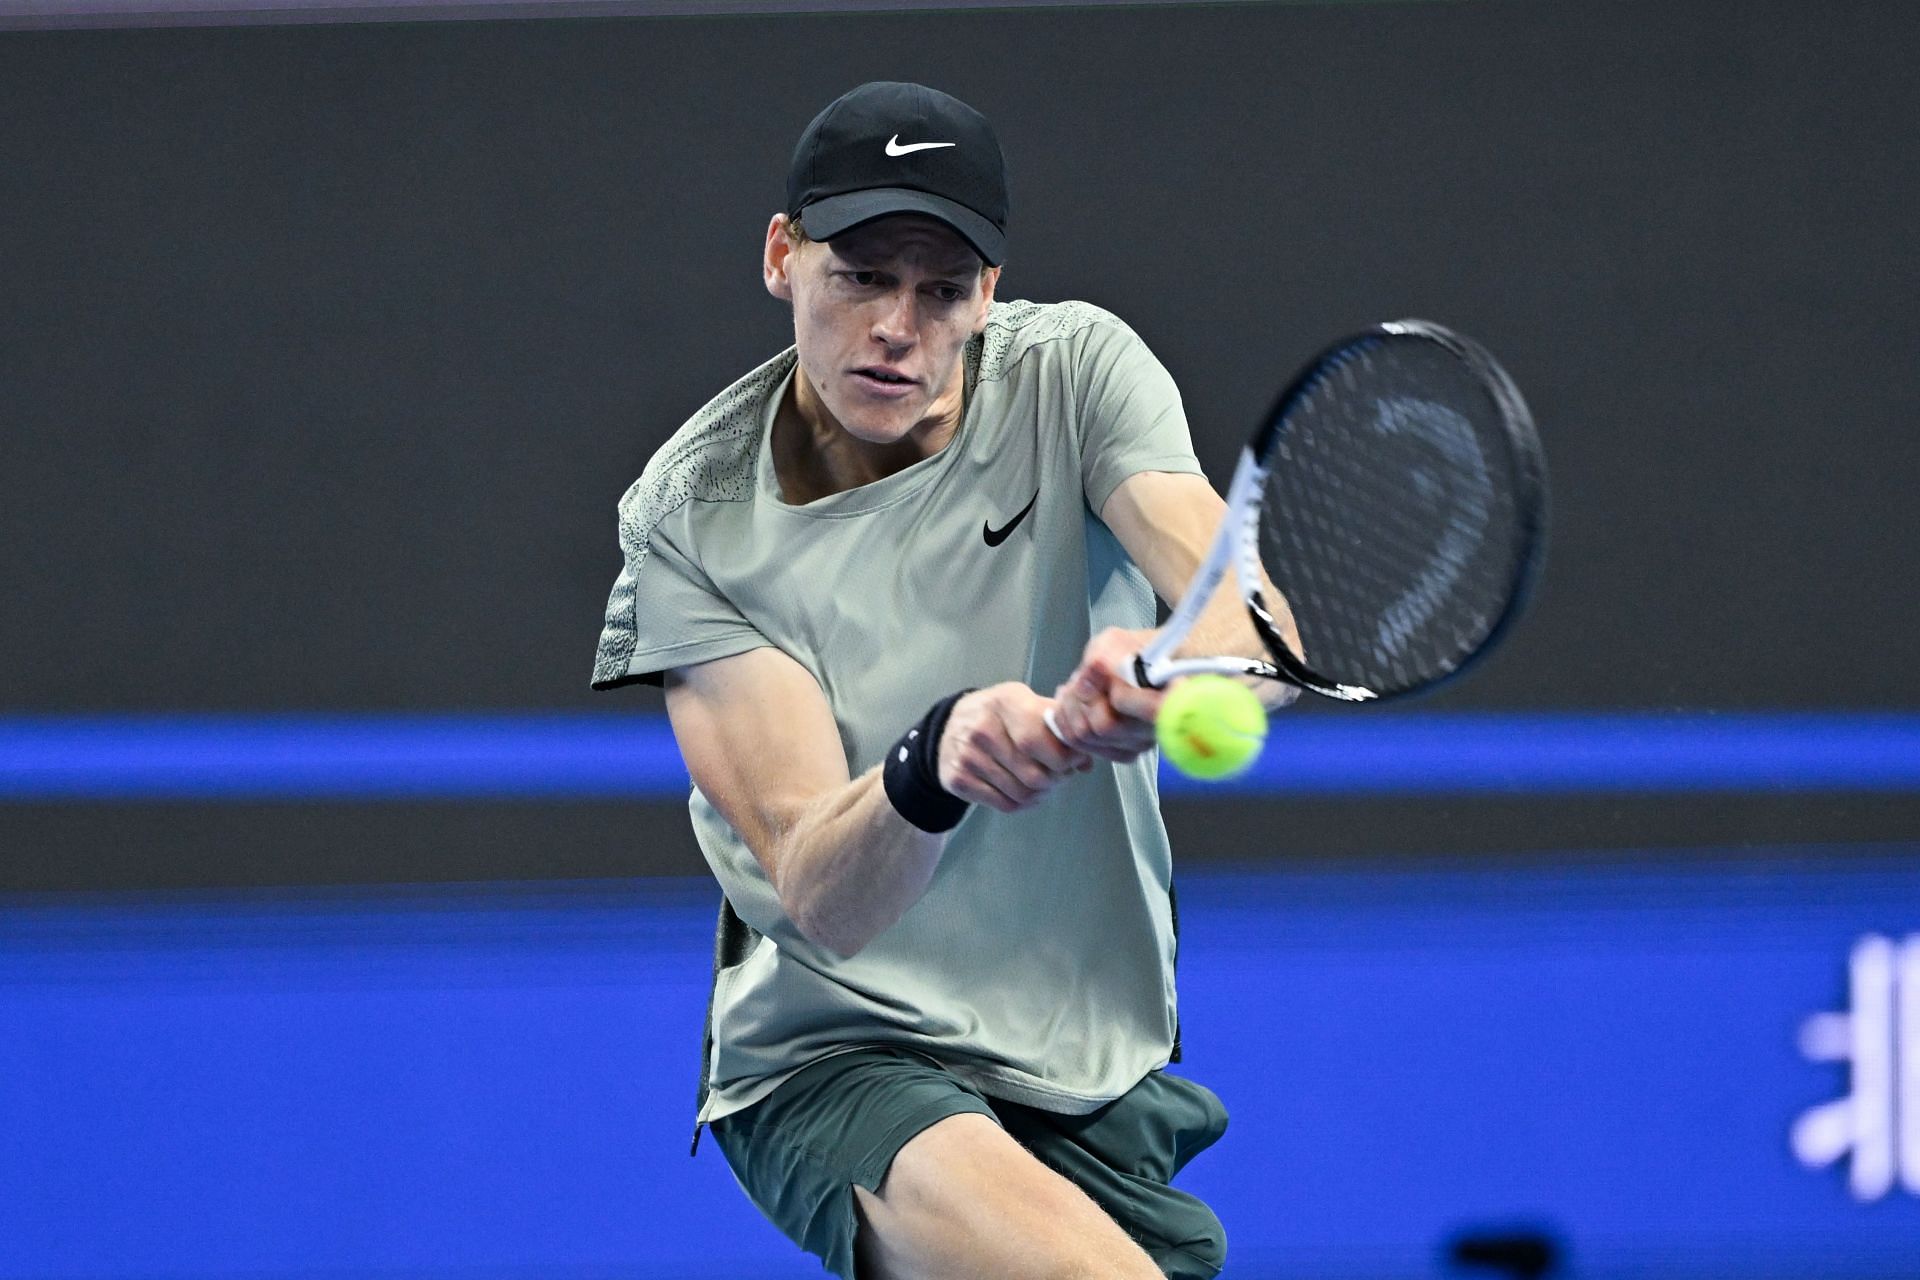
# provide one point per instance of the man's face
(881, 316)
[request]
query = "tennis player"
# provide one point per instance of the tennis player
(944, 971)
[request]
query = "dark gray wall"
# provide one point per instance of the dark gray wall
(326, 351)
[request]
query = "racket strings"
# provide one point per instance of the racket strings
(1383, 591)
(1388, 520)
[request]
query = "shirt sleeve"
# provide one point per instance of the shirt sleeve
(664, 611)
(1131, 419)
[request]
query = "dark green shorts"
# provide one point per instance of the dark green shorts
(839, 1122)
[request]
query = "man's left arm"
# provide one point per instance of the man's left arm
(1166, 522)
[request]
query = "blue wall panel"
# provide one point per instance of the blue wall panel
(464, 757)
(497, 1080)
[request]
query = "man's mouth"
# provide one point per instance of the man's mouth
(885, 382)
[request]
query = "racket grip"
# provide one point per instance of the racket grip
(1047, 715)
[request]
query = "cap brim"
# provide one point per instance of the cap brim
(833, 215)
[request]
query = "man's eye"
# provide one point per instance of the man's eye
(865, 279)
(949, 293)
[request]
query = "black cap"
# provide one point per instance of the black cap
(888, 147)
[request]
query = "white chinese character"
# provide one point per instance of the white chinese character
(1879, 1118)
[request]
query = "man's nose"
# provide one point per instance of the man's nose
(898, 320)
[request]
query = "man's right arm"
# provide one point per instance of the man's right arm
(760, 742)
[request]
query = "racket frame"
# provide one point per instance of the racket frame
(1237, 543)
(1238, 539)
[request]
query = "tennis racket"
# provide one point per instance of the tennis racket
(1396, 499)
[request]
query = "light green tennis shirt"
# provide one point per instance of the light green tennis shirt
(1039, 964)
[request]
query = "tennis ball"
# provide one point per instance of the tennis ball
(1211, 727)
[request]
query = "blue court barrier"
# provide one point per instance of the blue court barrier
(370, 757)
(497, 1080)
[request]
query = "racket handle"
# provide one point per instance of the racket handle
(1047, 715)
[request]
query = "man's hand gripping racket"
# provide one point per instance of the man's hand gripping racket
(1396, 499)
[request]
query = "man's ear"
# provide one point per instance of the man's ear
(988, 280)
(777, 259)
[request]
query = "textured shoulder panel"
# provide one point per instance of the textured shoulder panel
(1015, 328)
(710, 459)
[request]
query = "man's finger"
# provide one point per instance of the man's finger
(984, 781)
(1052, 752)
(1088, 681)
(1102, 723)
(974, 791)
(1071, 717)
(995, 738)
(1140, 704)
(1074, 728)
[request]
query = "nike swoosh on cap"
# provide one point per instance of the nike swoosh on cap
(995, 536)
(896, 148)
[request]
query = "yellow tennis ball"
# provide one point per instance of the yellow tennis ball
(1211, 727)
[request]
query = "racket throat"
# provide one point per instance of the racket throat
(1289, 665)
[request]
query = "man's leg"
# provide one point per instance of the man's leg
(963, 1199)
(1125, 1156)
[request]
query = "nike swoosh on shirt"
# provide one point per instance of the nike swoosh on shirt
(995, 536)
(896, 148)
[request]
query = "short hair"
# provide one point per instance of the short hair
(797, 236)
